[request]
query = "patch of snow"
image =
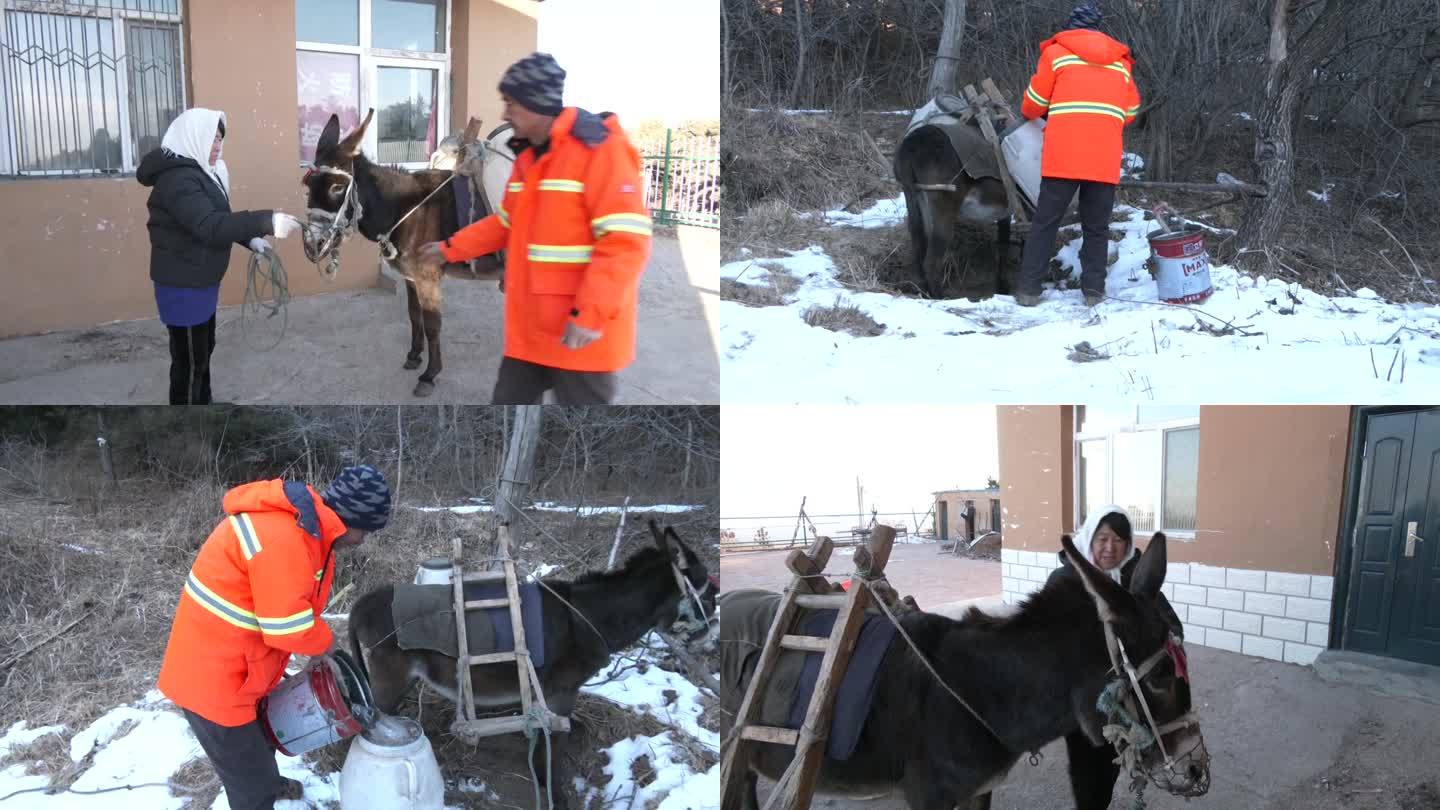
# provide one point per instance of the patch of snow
(882, 214)
(471, 784)
(20, 734)
(676, 786)
(1244, 116)
(103, 731)
(80, 549)
(1391, 195)
(1131, 162)
(1322, 196)
(548, 506)
(1302, 346)
(541, 571)
(645, 692)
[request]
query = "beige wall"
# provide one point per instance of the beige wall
(1036, 490)
(1270, 487)
(76, 250)
(955, 502)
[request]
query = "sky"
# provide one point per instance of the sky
(641, 59)
(772, 455)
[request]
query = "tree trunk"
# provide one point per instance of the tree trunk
(519, 464)
(107, 463)
(1288, 78)
(399, 453)
(1413, 109)
(799, 81)
(947, 56)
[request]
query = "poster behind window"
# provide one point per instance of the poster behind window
(328, 83)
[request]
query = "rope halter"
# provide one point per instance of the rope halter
(1125, 743)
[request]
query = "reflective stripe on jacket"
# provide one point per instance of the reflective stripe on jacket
(577, 231)
(253, 596)
(1085, 87)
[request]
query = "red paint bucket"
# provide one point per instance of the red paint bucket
(327, 701)
(1182, 265)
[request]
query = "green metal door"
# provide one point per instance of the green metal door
(1395, 579)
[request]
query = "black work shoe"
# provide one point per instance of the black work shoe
(1027, 299)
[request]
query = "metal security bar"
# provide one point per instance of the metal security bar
(89, 86)
(682, 180)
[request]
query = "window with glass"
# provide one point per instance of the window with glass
(89, 86)
(1143, 459)
(389, 55)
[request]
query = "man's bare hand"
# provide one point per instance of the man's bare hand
(578, 337)
(431, 253)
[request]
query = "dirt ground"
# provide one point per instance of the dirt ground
(915, 569)
(348, 346)
(1279, 737)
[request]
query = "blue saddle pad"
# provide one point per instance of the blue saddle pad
(531, 615)
(857, 687)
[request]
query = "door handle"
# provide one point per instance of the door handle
(1411, 537)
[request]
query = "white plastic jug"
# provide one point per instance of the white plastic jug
(392, 767)
(1023, 146)
(435, 571)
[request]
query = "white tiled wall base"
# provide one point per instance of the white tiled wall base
(1271, 614)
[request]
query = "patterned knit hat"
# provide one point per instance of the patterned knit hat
(360, 496)
(1085, 15)
(537, 82)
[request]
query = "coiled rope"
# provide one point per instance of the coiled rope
(267, 292)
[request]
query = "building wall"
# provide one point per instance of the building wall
(1036, 474)
(955, 502)
(66, 235)
(1258, 576)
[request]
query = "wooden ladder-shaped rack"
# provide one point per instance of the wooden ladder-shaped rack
(467, 726)
(808, 589)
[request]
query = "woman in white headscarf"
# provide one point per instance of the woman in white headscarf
(191, 231)
(1106, 540)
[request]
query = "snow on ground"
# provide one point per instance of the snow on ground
(1288, 343)
(675, 702)
(882, 214)
(21, 734)
(480, 505)
(828, 112)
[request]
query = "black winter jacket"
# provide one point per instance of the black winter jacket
(1067, 569)
(191, 224)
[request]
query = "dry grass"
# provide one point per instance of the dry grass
(843, 317)
(766, 286)
(767, 228)
(807, 162)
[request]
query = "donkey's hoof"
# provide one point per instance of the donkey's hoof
(424, 389)
(412, 362)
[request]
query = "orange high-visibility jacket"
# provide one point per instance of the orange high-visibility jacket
(254, 596)
(1085, 85)
(578, 234)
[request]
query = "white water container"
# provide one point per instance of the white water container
(1022, 148)
(392, 767)
(435, 571)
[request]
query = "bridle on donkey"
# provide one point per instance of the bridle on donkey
(337, 225)
(1128, 741)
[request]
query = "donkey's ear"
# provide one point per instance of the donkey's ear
(1150, 571)
(351, 145)
(683, 555)
(1111, 600)
(660, 540)
(330, 135)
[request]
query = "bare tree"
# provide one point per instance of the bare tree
(947, 58)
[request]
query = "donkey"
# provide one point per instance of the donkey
(1031, 677)
(406, 210)
(927, 158)
(622, 605)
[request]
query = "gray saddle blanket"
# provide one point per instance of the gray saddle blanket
(975, 153)
(745, 618)
(424, 618)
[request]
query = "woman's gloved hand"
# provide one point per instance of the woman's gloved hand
(284, 225)
(259, 245)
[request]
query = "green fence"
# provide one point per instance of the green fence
(682, 179)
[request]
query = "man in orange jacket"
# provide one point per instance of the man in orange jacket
(577, 232)
(254, 596)
(1085, 88)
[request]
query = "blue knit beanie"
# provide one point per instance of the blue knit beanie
(360, 496)
(1085, 15)
(537, 82)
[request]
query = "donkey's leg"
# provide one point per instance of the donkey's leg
(391, 676)
(417, 333)
(915, 220)
(1002, 256)
(563, 704)
(944, 209)
(750, 797)
(922, 792)
(981, 802)
(1092, 771)
(427, 285)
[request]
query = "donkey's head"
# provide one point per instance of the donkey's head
(329, 183)
(1144, 651)
(689, 616)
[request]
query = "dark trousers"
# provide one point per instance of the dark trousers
(243, 759)
(523, 383)
(1096, 202)
(190, 350)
